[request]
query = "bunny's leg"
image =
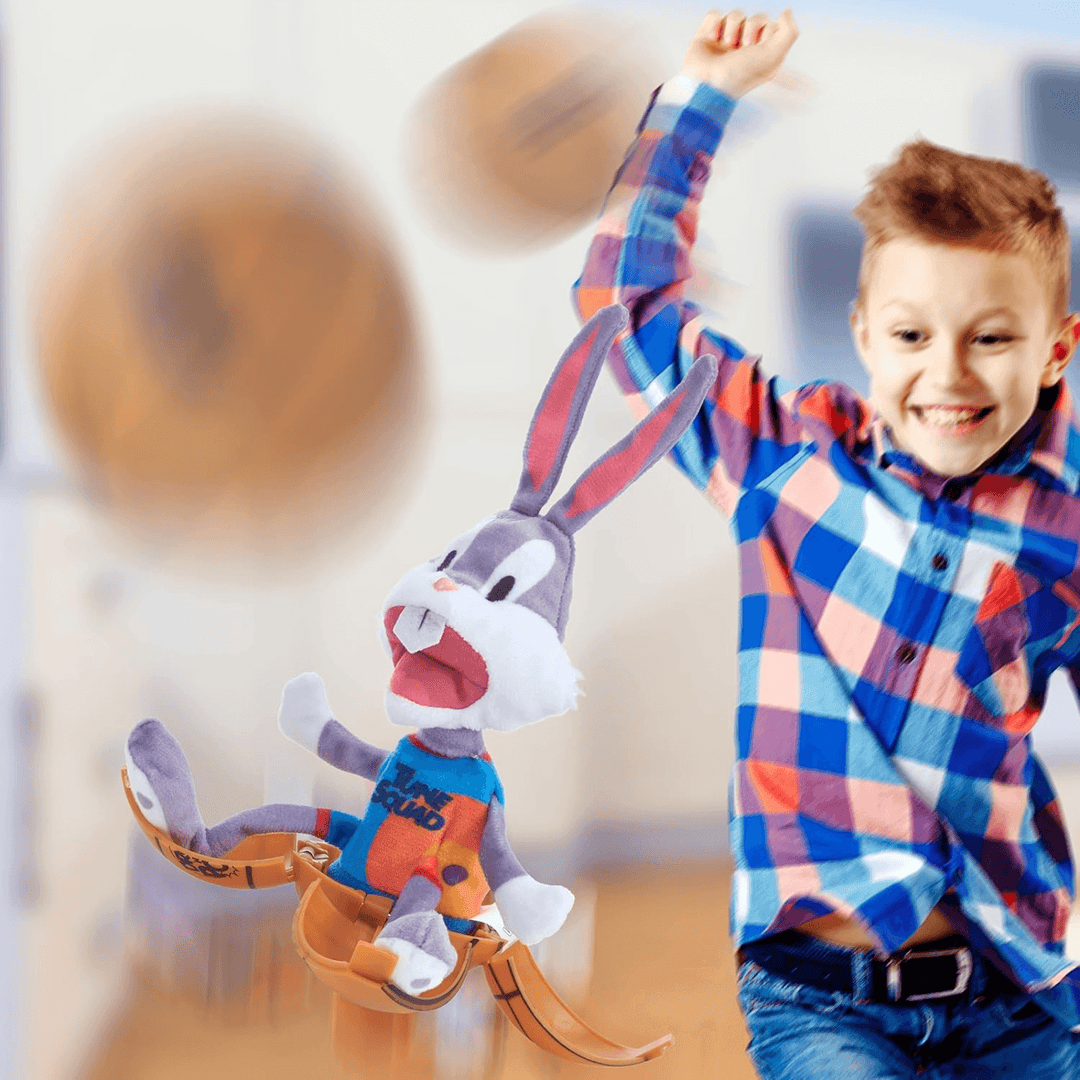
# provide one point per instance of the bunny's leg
(160, 777)
(417, 935)
(272, 818)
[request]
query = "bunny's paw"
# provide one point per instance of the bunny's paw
(416, 971)
(305, 710)
(422, 946)
(160, 779)
(532, 910)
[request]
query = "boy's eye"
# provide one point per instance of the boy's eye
(992, 339)
(907, 336)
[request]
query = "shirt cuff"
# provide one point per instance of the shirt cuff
(677, 91)
(695, 111)
(682, 90)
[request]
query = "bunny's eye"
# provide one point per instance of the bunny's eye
(450, 556)
(501, 589)
(520, 570)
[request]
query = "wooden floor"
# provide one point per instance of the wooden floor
(662, 963)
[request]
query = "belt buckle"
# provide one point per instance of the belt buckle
(964, 967)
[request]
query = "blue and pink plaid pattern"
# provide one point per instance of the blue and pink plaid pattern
(897, 628)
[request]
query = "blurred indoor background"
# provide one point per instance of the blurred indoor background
(282, 283)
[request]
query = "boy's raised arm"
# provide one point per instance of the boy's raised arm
(640, 256)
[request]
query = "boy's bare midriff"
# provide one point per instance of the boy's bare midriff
(842, 930)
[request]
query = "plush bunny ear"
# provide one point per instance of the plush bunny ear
(562, 404)
(616, 470)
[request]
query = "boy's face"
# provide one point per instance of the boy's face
(957, 342)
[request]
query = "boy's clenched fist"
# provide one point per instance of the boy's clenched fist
(734, 54)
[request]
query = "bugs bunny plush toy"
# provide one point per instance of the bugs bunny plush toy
(475, 636)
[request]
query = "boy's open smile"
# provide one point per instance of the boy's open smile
(952, 419)
(958, 342)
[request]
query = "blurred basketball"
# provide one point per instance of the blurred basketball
(226, 337)
(517, 145)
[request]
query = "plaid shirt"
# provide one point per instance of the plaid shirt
(897, 628)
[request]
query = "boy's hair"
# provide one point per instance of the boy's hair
(937, 195)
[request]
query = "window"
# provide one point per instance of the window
(1073, 370)
(824, 244)
(1050, 118)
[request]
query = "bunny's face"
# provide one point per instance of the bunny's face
(475, 634)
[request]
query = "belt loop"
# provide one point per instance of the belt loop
(862, 975)
(978, 985)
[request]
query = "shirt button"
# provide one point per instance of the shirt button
(940, 562)
(906, 653)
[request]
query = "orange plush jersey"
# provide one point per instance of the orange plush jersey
(426, 816)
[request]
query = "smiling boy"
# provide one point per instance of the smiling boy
(961, 316)
(910, 578)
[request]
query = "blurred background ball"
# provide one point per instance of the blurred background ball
(226, 337)
(517, 145)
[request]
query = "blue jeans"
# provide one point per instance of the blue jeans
(803, 1033)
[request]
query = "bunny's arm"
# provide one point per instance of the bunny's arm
(531, 910)
(342, 749)
(497, 858)
(305, 717)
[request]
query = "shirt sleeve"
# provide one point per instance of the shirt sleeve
(640, 257)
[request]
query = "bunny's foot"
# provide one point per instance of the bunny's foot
(532, 910)
(422, 946)
(160, 778)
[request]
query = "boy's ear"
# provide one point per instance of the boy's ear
(858, 330)
(1064, 347)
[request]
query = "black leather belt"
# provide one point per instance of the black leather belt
(935, 971)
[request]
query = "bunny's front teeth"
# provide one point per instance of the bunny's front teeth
(419, 628)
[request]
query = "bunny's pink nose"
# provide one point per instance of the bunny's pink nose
(444, 584)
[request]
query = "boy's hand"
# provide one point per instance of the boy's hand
(734, 54)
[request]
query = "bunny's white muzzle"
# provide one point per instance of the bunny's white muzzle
(463, 661)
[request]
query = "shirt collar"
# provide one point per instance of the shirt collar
(1049, 443)
(1057, 449)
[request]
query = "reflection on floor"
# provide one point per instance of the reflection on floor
(662, 963)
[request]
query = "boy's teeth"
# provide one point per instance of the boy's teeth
(946, 416)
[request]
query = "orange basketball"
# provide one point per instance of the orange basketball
(517, 144)
(226, 337)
